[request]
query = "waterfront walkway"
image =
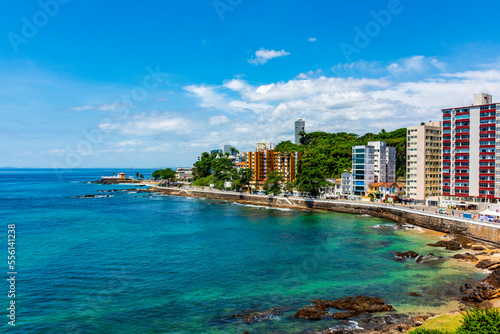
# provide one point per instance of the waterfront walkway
(419, 209)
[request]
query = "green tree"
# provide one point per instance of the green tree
(243, 178)
(288, 187)
(156, 174)
(286, 146)
(223, 170)
(203, 167)
(141, 176)
(137, 174)
(273, 181)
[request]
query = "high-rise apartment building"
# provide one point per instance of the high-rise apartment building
(265, 161)
(423, 161)
(363, 169)
(374, 162)
(300, 126)
(384, 159)
(470, 151)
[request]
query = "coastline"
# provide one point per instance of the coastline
(486, 247)
(478, 231)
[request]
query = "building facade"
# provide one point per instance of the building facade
(471, 155)
(384, 158)
(265, 161)
(363, 169)
(423, 161)
(261, 146)
(300, 126)
(346, 184)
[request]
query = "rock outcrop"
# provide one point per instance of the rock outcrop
(353, 306)
(487, 289)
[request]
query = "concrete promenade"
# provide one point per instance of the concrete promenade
(412, 214)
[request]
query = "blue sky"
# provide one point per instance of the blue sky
(154, 84)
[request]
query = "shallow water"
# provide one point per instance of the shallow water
(140, 263)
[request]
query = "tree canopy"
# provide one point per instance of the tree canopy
(165, 174)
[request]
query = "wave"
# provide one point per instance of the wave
(263, 207)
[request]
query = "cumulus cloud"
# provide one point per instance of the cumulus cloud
(262, 56)
(312, 39)
(347, 103)
(151, 123)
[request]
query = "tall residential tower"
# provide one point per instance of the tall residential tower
(470, 151)
(300, 126)
(423, 161)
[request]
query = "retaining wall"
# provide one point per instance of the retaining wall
(479, 231)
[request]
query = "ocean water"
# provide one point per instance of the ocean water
(142, 263)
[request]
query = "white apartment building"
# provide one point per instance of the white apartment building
(384, 162)
(346, 184)
(423, 161)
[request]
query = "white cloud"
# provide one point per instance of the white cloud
(152, 123)
(102, 107)
(263, 55)
(312, 39)
(334, 103)
(216, 120)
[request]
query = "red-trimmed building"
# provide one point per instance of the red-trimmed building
(468, 165)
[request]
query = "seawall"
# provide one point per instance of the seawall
(480, 231)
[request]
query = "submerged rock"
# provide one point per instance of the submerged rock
(414, 294)
(466, 257)
(251, 316)
(353, 305)
(311, 312)
(449, 245)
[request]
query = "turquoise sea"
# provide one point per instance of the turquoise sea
(140, 263)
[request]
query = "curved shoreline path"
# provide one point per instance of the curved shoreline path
(474, 228)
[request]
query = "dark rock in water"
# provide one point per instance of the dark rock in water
(251, 317)
(89, 196)
(361, 304)
(449, 245)
(414, 294)
(344, 315)
(312, 312)
(354, 306)
(430, 258)
(466, 257)
(407, 254)
(487, 263)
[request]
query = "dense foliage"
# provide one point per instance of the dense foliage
(480, 321)
(217, 169)
(165, 174)
(327, 155)
(272, 184)
(476, 321)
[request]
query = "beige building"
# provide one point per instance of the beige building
(423, 161)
